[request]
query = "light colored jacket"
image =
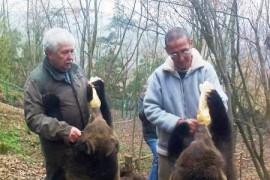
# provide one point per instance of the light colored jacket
(169, 98)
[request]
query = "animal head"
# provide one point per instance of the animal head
(98, 138)
(200, 160)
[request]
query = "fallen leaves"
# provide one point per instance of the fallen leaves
(12, 167)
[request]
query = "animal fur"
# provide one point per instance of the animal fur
(201, 160)
(96, 152)
(94, 156)
(220, 130)
(51, 104)
(104, 108)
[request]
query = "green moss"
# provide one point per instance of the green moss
(14, 137)
(3, 148)
(11, 140)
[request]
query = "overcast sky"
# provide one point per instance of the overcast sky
(18, 8)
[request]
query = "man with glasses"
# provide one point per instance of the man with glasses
(173, 93)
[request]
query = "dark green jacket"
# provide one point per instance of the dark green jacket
(72, 93)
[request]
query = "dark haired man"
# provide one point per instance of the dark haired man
(173, 93)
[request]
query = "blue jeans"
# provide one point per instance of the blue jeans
(153, 175)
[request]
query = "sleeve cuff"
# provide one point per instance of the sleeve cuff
(64, 131)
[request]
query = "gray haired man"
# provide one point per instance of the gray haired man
(59, 75)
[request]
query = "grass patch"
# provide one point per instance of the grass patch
(11, 139)
(3, 148)
(123, 147)
(144, 164)
(15, 138)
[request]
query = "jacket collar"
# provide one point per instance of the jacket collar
(56, 74)
(197, 62)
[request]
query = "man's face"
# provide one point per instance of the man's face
(180, 52)
(62, 58)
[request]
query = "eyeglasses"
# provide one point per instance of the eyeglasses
(185, 53)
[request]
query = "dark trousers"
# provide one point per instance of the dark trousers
(56, 154)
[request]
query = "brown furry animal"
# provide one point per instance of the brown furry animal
(220, 129)
(99, 136)
(96, 152)
(94, 155)
(201, 160)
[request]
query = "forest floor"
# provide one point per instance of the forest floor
(20, 152)
(21, 157)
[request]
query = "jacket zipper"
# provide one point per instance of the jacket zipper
(76, 97)
(183, 97)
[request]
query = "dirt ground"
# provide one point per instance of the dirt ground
(27, 161)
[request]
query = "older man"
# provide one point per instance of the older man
(56, 74)
(173, 93)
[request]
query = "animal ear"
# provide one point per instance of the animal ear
(89, 92)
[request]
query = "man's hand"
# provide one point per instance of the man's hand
(74, 134)
(191, 122)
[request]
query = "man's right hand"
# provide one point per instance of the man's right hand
(191, 122)
(74, 134)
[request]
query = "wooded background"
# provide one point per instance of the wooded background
(123, 42)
